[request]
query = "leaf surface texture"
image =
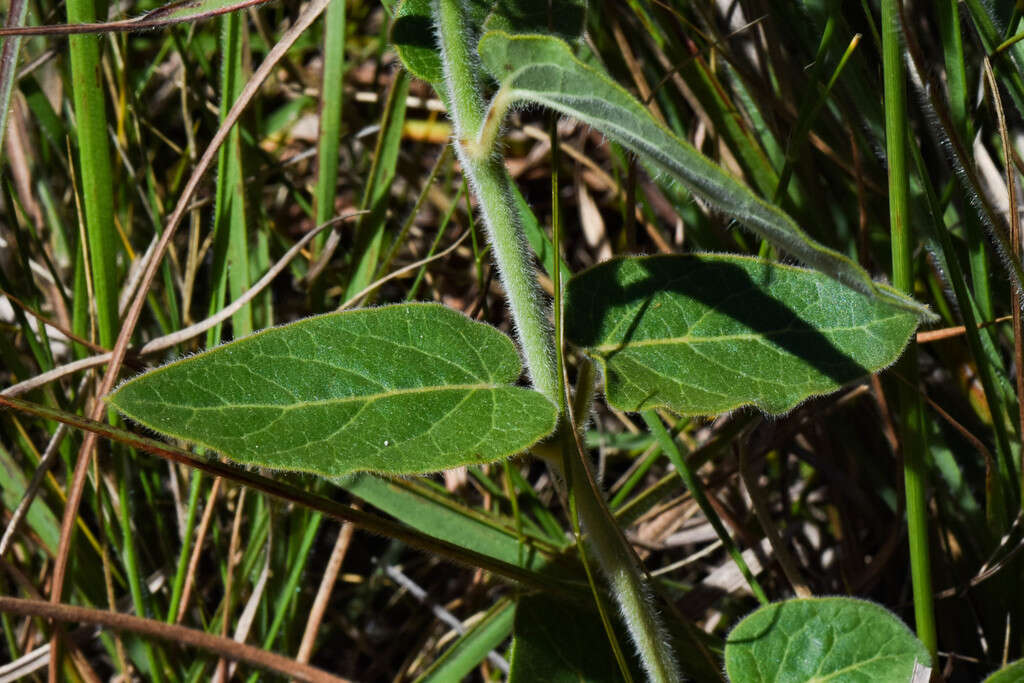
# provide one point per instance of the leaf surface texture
(544, 70)
(399, 389)
(705, 334)
(822, 639)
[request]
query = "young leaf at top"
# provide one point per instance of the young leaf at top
(412, 31)
(822, 639)
(704, 334)
(543, 70)
(400, 389)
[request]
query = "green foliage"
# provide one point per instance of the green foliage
(40, 519)
(560, 643)
(1011, 673)
(429, 511)
(398, 389)
(705, 334)
(412, 31)
(466, 653)
(563, 18)
(822, 639)
(412, 34)
(543, 70)
(710, 114)
(419, 388)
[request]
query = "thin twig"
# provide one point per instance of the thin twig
(782, 554)
(323, 594)
(225, 621)
(161, 17)
(401, 271)
(193, 560)
(929, 336)
(218, 645)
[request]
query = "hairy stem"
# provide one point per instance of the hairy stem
(492, 186)
(618, 563)
(475, 131)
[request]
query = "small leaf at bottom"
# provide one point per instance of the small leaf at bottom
(822, 639)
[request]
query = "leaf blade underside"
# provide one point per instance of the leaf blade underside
(400, 389)
(705, 334)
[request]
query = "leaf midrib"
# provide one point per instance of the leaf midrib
(360, 398)
(760, 336)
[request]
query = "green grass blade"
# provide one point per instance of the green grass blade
(948, 12)
(449, 520)
(369, 237)
(230, 230)
(668, 445)
(912, 435)
(470, 649)
(331, 91)
(984, 360)
(178, 582)
(96, 180)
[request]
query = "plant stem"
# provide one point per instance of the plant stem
(569, 475)
(912, 435)
(94, 162)
(618, 563)
(567, 431)
(492, 186)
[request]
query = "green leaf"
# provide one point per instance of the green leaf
(556, 642)
(412, 34)
(40, 519)
(412, 31)
(704, 334)
(447, 518)
(563, 18)
(543, 70)
(466, 653)
(399, 389)
(822, 639)
(1011, 673)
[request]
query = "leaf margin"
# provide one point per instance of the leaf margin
(498, 336)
